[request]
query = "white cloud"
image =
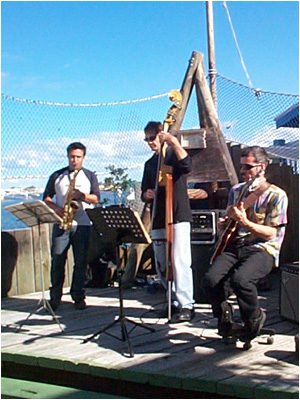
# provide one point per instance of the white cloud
(42, 157)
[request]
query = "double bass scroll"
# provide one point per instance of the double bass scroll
(176, 97)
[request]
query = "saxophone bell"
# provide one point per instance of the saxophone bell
(75, 205)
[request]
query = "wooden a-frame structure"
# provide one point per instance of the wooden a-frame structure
(211, 158)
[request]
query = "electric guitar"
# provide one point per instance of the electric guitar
(230, 229)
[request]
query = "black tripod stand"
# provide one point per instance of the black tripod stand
(34, 213)
(119, 226)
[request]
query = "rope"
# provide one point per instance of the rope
(49, 103)
(237, 46)
(262, 91)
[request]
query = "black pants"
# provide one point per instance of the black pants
(237, 270)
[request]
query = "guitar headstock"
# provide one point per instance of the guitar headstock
(255, 177)
(249, 184)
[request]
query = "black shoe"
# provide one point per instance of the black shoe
(185, 314)
(164, 312)
(80, 305)
(54, 304)
(224, 329)
(225, 321)
(253, 326)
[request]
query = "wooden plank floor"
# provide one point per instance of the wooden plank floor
(187, 360)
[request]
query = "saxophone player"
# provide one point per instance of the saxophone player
(69, 192)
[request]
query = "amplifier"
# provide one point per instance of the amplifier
(289, 291)
(201, 255)
(203, 227)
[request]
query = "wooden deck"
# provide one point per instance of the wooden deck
(187, 360)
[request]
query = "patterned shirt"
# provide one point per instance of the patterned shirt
(269, 209)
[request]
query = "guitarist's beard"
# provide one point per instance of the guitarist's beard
(257, 182)
(246, 178)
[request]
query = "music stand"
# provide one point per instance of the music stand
(33, 213)
(119, 226)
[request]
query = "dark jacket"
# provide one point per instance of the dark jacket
(181, 205)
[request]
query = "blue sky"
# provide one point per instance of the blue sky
(99, 51)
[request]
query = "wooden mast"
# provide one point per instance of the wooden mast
(211, 51)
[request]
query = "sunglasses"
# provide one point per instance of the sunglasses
(150, 138)
(249, 166)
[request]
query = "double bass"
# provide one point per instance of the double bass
(165, 179)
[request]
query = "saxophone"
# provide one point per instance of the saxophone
(70, 206)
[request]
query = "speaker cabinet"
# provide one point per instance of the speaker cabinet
(201, 255)
(203, 239)
(289, 292)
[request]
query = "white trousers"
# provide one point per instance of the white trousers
(182, 285)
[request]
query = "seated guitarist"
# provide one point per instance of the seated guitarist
(254, 248)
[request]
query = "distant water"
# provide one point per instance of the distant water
(10, 222)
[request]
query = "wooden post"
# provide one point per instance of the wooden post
(186, 89)
(211, 51)
(205, 103)
(195, 75)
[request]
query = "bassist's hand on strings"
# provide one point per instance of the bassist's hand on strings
(149, 194)
(167, 137)
(174, 142)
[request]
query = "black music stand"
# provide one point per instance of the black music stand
(33, 213)
(119, 226)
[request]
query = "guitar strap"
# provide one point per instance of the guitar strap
(251, 199)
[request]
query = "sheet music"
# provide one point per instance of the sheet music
(33, 212)
(114, 223)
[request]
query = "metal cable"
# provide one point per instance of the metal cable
(237, 45)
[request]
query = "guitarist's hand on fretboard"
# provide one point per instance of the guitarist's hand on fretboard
(238, 213)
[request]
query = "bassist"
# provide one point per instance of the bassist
(254, 248)
(182, 286)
